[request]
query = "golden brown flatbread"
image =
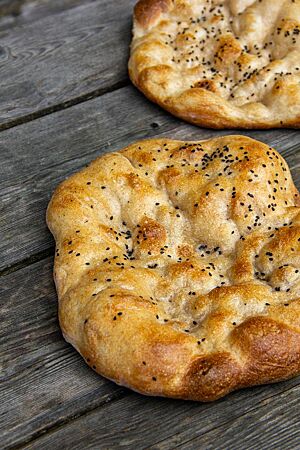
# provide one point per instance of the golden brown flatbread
(178, 266)
(220, 64)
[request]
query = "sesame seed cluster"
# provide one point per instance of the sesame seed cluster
(220, 63)
(168, 249)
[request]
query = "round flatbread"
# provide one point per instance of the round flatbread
(177, 266)
(220, 64)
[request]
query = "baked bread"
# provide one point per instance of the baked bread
(177, 266)
(220, 64)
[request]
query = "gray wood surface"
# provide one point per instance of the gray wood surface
(47, 388)
(19, 12)
(65, 100)
(257, 418)
(36, 156)
(43, 381)
(274, 424)
(63, 58)
(35, 355)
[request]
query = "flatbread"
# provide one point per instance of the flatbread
(220, 64)
(177, 266)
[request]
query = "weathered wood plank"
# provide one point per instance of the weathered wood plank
(264, 417)
(62, 57)
(19, 12)
(43, 380)
(45, 385)
(36, 156)
(275, 424)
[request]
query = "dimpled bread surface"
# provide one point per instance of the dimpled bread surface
(220, 64)
(178, 266)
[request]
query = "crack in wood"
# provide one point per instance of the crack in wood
(27, 261)
(250, 411)
(64, 105)
(113, 397)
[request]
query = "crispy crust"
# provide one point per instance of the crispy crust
(178, 266)
(146, 12)
(224, 65)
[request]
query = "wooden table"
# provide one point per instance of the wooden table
(66, 98)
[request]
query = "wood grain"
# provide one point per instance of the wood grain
(20, 12)
(47, 381)
(36, 156)
(63, 57)
(259, 416)
(43, 380)
(46, 387)
(273, 424)
(54, 54)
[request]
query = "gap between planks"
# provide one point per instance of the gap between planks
(39, 256)
(51, 430)
(49, 251)
(64, 105)
(73, 50)
(226, 422)
(113, 397)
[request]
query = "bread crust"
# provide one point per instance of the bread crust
(177, 266)
(230, 64)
